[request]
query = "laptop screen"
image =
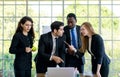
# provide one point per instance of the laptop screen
(60, 72)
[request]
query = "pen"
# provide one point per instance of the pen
(66, 43)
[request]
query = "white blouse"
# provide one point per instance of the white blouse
(90, 40)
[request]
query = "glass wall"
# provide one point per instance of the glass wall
(103, 14)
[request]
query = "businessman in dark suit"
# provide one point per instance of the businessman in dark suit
(51, 49)
(74, 58)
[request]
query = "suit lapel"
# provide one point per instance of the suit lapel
(78, 36)
(50, 41)
(68, 35)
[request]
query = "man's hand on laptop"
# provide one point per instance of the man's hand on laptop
(57, 59)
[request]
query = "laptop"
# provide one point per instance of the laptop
(60, 72)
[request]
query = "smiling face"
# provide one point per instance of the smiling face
(71, 22)
(87, 29)
(84, 30)
(26, 26)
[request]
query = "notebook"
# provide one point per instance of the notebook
(60, 72)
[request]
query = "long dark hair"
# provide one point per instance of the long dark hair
(22, 21)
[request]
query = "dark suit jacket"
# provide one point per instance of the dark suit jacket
(97, 48)
(23, 60)
(77, 55)
(45, 50)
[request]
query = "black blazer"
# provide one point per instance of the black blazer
(45, 49)
(97, 48)
(23, 60)
(78, 55)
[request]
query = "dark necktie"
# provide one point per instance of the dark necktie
(56, 49)
(73, 38)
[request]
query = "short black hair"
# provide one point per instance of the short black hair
(56, 25)
(71, 15)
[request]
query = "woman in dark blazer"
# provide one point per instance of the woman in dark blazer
(95, 46)
(21, 46)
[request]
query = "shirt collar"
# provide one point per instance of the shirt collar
(74, 28)
(53, 36)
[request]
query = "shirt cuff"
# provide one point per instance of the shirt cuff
(66, 50)
(50, 58)
(75, 50)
